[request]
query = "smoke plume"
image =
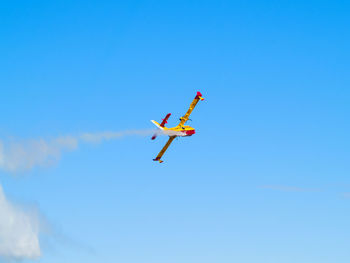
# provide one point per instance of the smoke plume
(22, 155)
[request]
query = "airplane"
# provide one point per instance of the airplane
(180, 130)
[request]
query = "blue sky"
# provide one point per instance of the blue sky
(264, 179)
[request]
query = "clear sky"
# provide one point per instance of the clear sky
(264, 179)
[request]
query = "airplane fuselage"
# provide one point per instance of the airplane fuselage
(182, 131)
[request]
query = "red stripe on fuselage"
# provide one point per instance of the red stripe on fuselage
(190, 132)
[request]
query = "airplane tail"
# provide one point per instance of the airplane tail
(160, 126)
(157, 124)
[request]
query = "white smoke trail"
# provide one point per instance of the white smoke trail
(23, 155)
(19, 231)
(106, 136)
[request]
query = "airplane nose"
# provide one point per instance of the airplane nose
(191, 132)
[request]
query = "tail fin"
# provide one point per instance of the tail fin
(160, 126)
(165, 120)
(157, 124)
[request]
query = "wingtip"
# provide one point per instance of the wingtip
(199, 95)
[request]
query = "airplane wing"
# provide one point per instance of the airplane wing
(193, 104)
(160, 154)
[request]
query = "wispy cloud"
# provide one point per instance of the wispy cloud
(22, 155)
(345, 195)
(19, 231)
(285, 188)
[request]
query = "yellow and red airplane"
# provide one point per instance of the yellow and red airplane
(180, 130)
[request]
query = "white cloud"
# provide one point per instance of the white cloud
(285, 188)
(19, 231)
